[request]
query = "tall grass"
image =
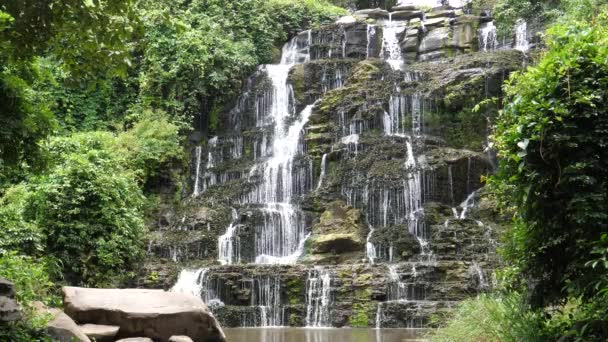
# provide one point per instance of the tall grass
(492, 318)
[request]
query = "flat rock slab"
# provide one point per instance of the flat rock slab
(180, 339)
(135, 339)
(151, 313)
(100, 333)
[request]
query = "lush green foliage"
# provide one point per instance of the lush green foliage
(197, 53)
(18, 234)
(33, 282)
(492, 318)
(89, 208)
(552, 138)
(88, 36)
(30, 276)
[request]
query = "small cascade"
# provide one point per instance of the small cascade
(330, 81)
(318, 297)
(521, 36)
(488, 37)
(371, 35)
(451, 184)
(190, 282)
(197, 176)
(266, 296)
(370, 249)
(323, 169)
(229, 247)
(391, 48)
(468, 203)
(476, 270)
(344, 41)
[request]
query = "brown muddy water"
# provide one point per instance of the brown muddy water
(323, 335)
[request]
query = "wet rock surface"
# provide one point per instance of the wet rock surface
(376, 206)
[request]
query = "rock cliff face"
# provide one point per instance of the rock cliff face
(346, 185)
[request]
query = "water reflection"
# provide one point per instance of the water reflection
(321, 335)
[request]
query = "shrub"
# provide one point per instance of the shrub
(89, 208)
(492, 318)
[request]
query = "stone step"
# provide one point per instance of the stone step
(100, 333)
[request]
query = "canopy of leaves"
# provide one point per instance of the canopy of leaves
(552, 138)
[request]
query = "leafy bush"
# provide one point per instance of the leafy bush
(89, 208)
(552, 138)
(17, 233)
(492, 318)
(151, 144)
(30, 276)
(32, 279)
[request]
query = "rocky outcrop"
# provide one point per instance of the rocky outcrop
(153, 313)
(62, 328)
(385, 190)
(9, 308)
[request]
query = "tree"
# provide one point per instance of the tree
(552, 137)
(89, 207)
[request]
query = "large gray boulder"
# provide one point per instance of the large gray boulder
(9, 308)
(151, 313)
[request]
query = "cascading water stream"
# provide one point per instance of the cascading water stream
(280, 239)
(199, 152)
(323, 170)
(391, 48)
(229, 249)
(488, 37)
(318, 297)
(521, 36)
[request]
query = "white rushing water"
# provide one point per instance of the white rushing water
(318, 297)
(190, 282)
(323, 170)
(521, 36)
(198, 153)
(267, 297)
(488, 36)
(229, 243)
(391, 48)
(280, 239)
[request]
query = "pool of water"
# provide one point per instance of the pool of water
(322, 335)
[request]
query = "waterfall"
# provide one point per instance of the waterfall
(391, 48)
(281, 237)
(477, 271)
(521, 36)
(229, 243)
(318, 297)
(344, 41)
(190, 282)
(371, 34)
(323, 167)
(488, 37)
(198, 153)
(266, 295)
(370, 249)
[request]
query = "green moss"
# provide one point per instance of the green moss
(295, 289)
(360, 317)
